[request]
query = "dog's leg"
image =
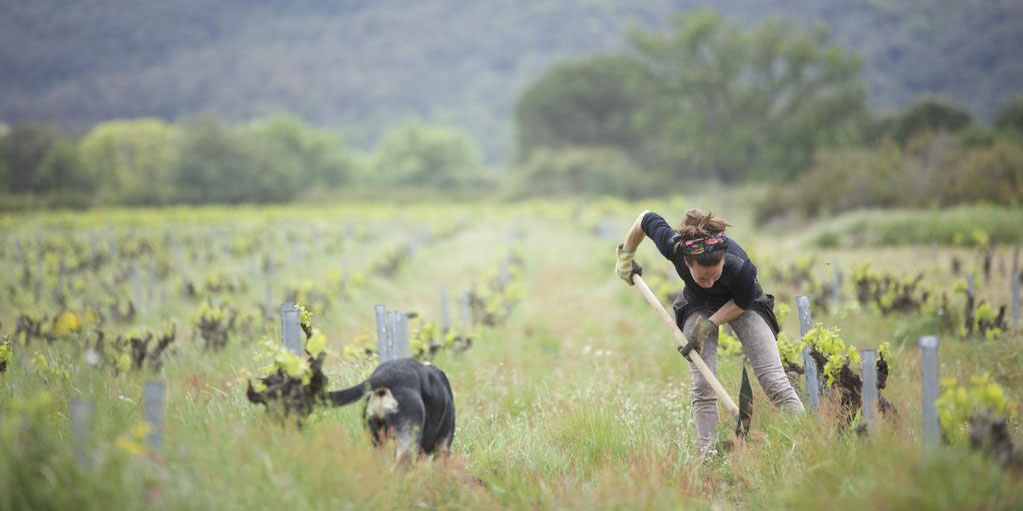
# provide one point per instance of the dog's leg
(407, 446)
(443, 452)
(408, 420)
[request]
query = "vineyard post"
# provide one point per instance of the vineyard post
(399, 340)
(971, 301)
(137, 286)
(39, 278)
(929, 384)
(1015, 259)
(163, 291)
(504, 271)
(268, 296)
(150, 282)
(383, 332)
(393, 334)
(292, 250)
(868, 367)
(1017, 277)
(445, 314)
(390, 351)
(837, 284)
(344, 272)
(291, 328)
(466, 310)
(58, 288)
(809, 365)
(81, 427)
(114, 250)
(153, 412)
(178, 263)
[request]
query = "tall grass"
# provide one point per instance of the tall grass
(579, 401)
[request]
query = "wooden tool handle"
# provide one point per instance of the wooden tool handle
(681, 338)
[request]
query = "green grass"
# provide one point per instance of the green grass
(578, 401)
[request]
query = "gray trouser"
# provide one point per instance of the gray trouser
(759, 345)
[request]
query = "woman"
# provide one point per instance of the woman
(720, 286)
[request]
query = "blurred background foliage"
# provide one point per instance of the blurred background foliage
(890, 105)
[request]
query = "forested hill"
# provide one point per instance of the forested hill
(360, 66)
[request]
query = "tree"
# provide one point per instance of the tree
(929, 115)
(22, 150)
(213, 165)
(733, 104)
(131, 161)
(430, 156)
(62, 170)
(595, 101)
(1011, 116)
(991, 174)
(320, 155)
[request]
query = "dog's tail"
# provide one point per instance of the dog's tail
(347, 396)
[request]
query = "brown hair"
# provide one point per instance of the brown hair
(698, 224)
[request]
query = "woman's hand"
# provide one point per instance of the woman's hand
(705, 331)
(627, 266)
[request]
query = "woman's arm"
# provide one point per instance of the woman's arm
(726, 313)
(635, 236)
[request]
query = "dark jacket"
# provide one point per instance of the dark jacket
(738, 279)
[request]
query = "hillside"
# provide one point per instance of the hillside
(361, 66)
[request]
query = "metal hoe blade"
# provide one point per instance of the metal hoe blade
(745, 405)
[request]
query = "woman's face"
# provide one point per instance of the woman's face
(706, 276)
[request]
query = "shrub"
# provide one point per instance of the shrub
(931, 170)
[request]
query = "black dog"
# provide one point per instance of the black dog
(408, 401)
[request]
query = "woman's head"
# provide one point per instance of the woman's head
(702, 242)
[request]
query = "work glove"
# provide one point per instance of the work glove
(627, 265)
(705, 330)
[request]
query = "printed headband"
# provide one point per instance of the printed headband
(711, 243)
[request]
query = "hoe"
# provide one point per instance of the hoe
(743, 412)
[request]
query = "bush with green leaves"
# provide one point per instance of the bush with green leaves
(495, 296)
(887, 293)
(577, 170)
(931, 170)
(423, 156)
(839, 365)
(958, 403)
(289, 383)
(791, 353)
(5, 353)
(928, 114)
(216, 323)
(430, 338)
